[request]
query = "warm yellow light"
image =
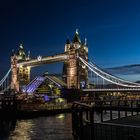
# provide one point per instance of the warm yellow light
(60, 100)
(28, 67)
(86, 49)
(72, 71)
(20, 66)
(83, 66)
(61, 116)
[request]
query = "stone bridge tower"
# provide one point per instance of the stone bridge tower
(14, 73)
(75, 73)
(20, 75)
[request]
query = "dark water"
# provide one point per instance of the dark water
(58, 127)
(42, 128)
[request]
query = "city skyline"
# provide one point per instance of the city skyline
(111, 28)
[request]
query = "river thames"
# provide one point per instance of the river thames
(56, 127)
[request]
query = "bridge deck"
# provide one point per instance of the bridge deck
(50, 59)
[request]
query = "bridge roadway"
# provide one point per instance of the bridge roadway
(50, 59)
(113, 90)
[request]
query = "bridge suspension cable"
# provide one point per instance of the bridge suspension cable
(4, 78)
(108, 77)
(4, 83)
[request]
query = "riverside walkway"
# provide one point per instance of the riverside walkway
(124, 125)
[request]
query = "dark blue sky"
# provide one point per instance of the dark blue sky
(112, 28)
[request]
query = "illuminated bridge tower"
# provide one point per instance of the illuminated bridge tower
(22, 73)
(75, 74)
(14, 73)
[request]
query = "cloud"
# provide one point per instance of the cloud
(125, 70)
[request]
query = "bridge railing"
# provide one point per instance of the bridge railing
(129, 107)
(85, 126)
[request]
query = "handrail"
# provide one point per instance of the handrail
(83, 104)
(125, 125)
(83, 118)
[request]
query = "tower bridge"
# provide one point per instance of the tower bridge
(76, 67)
(73, 70)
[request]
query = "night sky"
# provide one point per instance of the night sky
(112, 29)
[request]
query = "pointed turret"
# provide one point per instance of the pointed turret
(13, 53)
(28, 58)
(76, 38)
(67, 41)
(20, 53)
(21, 46)
(67, 45)
(85, 43)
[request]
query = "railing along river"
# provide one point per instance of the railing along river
(85, 127)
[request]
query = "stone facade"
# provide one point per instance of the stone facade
(20, 75)
(75, 73)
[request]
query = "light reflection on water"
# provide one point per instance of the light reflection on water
(57, 127)
(43, 128)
